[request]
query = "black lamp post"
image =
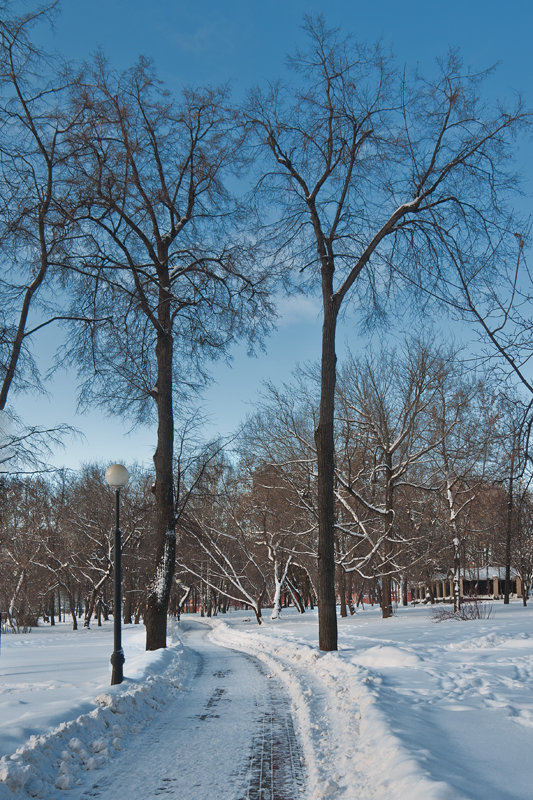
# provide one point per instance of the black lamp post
(117, 477)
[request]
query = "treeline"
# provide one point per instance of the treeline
(57, 547)
(431, 480)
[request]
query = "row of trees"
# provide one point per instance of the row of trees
(427, 462)
(352, 182)
(431, 475)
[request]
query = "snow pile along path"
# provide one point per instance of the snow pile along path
(57, 759)
(349, 748)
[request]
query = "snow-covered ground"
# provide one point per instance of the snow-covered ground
(407, 708)
(58, 715)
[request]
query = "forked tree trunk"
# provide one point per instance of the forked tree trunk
(295, 593)
(280, 578)
(12, 609)
(91, 601)
(276, 605)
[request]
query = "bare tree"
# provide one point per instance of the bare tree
(35, 144)
(278, 451)
(162, 261)
(219, 539)
(25, 520)
(385, 402)
(376, 179)
(89, 517)
(522, 556)
(502, 311)
(464, 425)
(512, 439)
(278, 524)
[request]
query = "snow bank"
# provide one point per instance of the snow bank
(56, 759)
(386, 656)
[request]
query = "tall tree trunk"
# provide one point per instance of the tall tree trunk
(386, 599)
(128, 608)
(349, 593)
(341, 580)
(386, 602)
(324, 439)
(342, 591)
(404, 591)
(456, 541)
(165, 527)
(276, 605)
(526, 583)
(509, 526)
(456, 571)
(12, 610)
(72, 608)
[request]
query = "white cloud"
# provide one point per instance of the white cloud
(297, 309)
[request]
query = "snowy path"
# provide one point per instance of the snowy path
(229, 735)
(405, 709)
(320, 687)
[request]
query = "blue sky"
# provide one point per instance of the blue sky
(244, 42)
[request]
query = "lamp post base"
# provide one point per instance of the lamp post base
(117, 661)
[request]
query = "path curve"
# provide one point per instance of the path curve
(229, 735)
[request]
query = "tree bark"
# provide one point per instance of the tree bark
(349, 593)
(456, 572)
(386, 600)
(324, 439)
(72, 608)
(159, 594)
(509, 526)
(342, 591)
